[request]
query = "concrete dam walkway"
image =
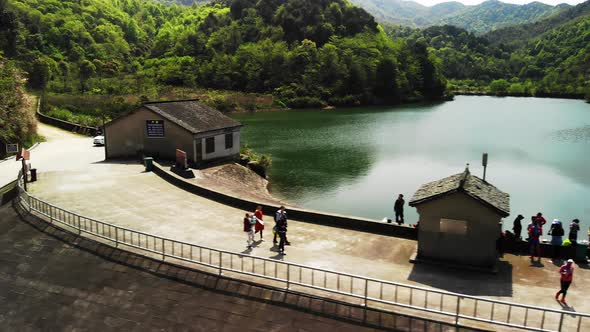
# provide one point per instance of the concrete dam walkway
(125, 195)
(53, 281)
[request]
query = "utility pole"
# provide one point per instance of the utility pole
(484, 162)
(104, 134)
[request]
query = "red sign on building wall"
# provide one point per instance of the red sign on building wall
(181, 160)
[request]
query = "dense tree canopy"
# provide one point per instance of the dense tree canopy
(306, 52)
(555, 62)
(17, 122)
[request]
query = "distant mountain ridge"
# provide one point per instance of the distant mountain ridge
(514, 34)
(487, 16)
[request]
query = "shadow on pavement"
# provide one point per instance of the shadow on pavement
(464, 281)
(187, 278)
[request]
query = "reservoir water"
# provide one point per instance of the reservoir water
(356, 161)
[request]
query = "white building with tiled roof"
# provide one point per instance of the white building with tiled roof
(158, 129)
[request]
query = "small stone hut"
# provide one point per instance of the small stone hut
(460, 220)
(157, 129)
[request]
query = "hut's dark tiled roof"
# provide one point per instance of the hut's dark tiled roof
(192, 115)
(469, 184)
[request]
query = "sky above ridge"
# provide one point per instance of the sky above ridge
(519, 2)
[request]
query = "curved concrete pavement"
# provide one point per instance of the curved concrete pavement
(61, 151)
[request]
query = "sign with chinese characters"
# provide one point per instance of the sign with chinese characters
(155, 128)
(11, 148)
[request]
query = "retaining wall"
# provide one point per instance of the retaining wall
(303, 215)
(7, 193)
(65, 125)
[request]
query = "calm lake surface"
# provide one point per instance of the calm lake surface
(356, 161)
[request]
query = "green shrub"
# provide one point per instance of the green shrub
(305, 102)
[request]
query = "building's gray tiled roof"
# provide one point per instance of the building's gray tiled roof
(192, 115)
(469, 184)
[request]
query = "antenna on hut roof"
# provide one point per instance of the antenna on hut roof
(484, 163)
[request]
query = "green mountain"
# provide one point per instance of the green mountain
(493, 14)
(487, 16)
(515, 34)
(551, 60)
(408, 13)
(306, 52)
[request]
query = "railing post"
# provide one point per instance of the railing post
(163, 251)
(220, 268)
(288, 275)
(560, 322)
(457, 311)
(116, 237)
(29, 201)
(365, 300)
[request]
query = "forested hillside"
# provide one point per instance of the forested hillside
(516, 34)
(481, 18)
(305, 52)
(17, 122)
(555, 63)
(493, 14)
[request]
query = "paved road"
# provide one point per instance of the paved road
(49, 281)
(62, 151)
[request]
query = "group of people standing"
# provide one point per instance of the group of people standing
(254, 223)
(535, 231)
(557, 232)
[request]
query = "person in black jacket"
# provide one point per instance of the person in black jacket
(517, 227)
(398, 208)
(282, 231)
(556, 231)
(574, 228)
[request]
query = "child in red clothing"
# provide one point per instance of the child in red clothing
(259, 227)
(566, 272)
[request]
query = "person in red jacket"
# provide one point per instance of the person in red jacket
(540, 220)
(566, 272)
(259, 227)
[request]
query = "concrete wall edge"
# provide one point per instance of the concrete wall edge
(302, 215)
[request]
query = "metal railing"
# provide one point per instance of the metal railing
(445, 306)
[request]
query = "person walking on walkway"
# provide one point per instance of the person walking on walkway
(282, 231)
(398, 208)
(249, 222)
(566, 273)
(259, 227)
(574, 228)
(517, 227)
(556, 231)
(281, 215)
(535, 233)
